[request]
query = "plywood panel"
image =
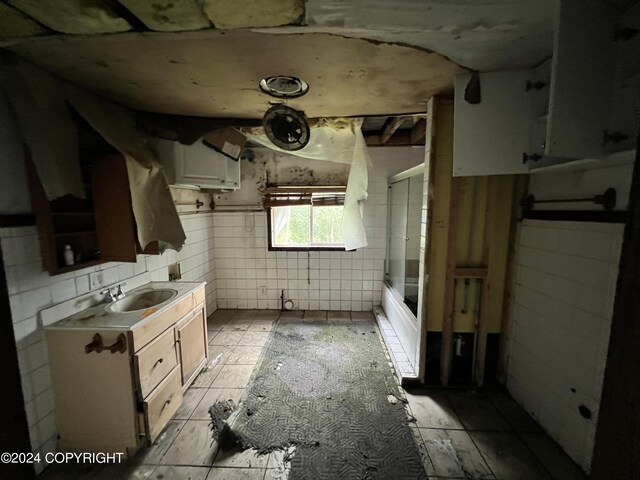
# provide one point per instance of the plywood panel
(168, 15)
(216, 74)
(74, 16)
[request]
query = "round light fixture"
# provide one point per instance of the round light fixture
(284, 86)
(286, 128)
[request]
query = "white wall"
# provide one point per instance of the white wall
(250, 276)
(565, 283)
(31, 290)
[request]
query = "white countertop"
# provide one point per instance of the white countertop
(100, 317)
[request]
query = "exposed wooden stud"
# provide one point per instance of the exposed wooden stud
(450, 280)
(470, 272)
(419, 131)
(400, 138)
(429, 181)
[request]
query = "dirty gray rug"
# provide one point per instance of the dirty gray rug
(326, 389)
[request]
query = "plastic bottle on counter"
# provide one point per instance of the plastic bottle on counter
(69, 258)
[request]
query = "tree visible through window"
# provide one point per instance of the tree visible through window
(301, 226)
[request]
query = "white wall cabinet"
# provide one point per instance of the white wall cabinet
(197, 165)
(556, 112)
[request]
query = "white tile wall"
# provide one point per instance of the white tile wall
(31, 290)
(250, 276)
(565, 288)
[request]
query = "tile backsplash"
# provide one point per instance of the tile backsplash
(33, 290)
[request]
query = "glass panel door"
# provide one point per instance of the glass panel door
(398, 210)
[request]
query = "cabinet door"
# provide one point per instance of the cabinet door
(115, 224)
(203, 166)
(490, 137)
(581, 79)
(191, 335)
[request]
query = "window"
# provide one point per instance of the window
(305, 218)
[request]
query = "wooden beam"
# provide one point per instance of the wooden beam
(617, 443)
(450, 280)
(419, 131)
(427, 231)
(400, 138)
(390, 126)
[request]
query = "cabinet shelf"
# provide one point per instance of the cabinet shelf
(78, 266)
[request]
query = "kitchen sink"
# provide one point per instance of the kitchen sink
(141, 301)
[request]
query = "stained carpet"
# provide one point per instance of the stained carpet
(327, 389)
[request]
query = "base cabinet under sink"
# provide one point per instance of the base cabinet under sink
(118, 402)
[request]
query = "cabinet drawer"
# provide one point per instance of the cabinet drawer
(154, 362)
(161, 405)
(159, 323)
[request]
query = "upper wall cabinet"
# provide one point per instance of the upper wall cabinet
(559, 111)
(197, 165)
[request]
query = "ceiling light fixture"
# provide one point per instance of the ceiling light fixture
(284, 86)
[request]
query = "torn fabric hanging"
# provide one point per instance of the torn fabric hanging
(337, 142)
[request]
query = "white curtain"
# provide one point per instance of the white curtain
(281, 216)
(338, 141)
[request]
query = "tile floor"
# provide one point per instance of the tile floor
(461, 434)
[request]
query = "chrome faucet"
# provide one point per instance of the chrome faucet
(110, 297)
(119, 293)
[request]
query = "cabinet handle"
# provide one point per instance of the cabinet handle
(533, 157)
(158, 362)
(166, 403)
(120, 344)
(95, 346)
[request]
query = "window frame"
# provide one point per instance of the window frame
(286, 248)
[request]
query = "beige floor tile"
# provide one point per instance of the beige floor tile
(206, 377)
(218, 354)
(244, 355)
(125, 472)
(339, 316)
(254, 339)
(222, 314)
(226, 337)
(558, 463)
(362, 316)
(153, 454)
(190, 401)
(315, 315)
(291, 315)
(172, 472)
(237, 325)
(262, 325)
(508, 457)
(476, 412)
(233, 376)
(213, 395)
(194, 445)
(236, 474)
(268, 314)
(242, 314)
(453, 454)
(241, 459)
(433, 410)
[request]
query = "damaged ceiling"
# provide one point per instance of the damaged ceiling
(206, 57)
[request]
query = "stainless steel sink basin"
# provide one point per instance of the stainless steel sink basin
(141, 301)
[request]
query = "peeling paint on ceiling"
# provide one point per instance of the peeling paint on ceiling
(74, 16)
(216, 74)
(14, 23)
(483, 35)
(168, 15)
(232, 14)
